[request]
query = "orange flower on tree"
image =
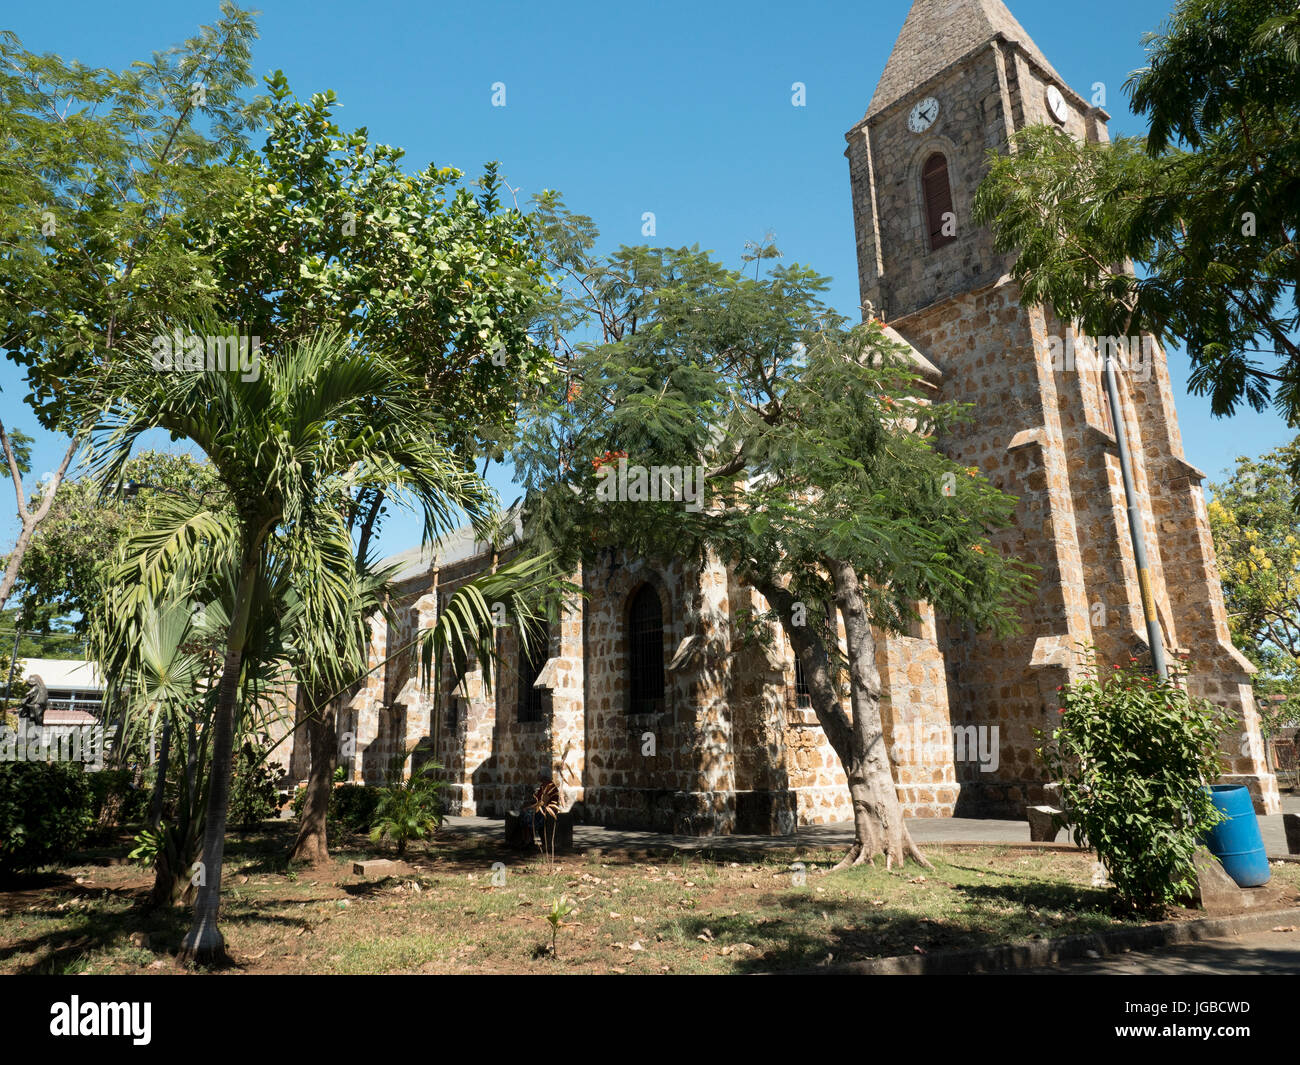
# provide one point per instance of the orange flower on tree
(608, 459)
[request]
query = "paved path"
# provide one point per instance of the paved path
(923, 829)
(1253, 954)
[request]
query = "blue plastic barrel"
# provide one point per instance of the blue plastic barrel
(1236, 842)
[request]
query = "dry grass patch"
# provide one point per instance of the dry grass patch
(693, 913)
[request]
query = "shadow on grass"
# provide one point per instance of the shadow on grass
(98, 931)
(812, 930)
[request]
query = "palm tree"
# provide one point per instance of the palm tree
(159, 658)
(318, 416)
(463, 633)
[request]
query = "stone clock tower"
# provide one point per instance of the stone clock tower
(963, 75)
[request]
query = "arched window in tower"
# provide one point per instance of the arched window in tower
(937, 191)
(645, 642)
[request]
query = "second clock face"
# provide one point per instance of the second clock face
(1056, 104)
(923, 115)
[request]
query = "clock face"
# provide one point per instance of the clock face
(923, 115)
(1056, 104)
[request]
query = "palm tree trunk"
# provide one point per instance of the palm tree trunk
(312, 844)
(160, 776)
(203, 944)
(164, 876)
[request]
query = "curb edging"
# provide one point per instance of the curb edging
(1012, 956)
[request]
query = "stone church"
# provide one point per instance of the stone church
(645, 710)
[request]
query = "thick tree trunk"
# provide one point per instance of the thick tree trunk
(877, 814)
(878, 825)
(204, 944)
(312, 844)
(164, 877)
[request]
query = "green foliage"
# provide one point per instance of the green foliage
(326, 229)
(148, 846)
(781, 403)
(1258, 546)
(45, 811)
(116, 798)
(351, 807)
(99, 168)
(68, 563)
(1135, 756)
(1208, 203)
(560, 909)
(355, 806)
(253, 796)
(410, 808)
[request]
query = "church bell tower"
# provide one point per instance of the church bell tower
(963, 76)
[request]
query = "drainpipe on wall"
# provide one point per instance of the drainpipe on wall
(437, 667)
(1154, 636)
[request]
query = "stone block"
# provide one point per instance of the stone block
(1216, 891)
(1045, 822)
(378, 868)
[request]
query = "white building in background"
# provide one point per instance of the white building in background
(70, 729)
(75, 687)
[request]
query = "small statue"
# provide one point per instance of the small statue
(35, 701)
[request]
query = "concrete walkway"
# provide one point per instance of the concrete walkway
(1252, 954)
(924, 830)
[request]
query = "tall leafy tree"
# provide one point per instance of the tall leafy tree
(329, 229)
(318, 411)
(823, 486)
(1207, 204)
(98, 171)
(1258, 546)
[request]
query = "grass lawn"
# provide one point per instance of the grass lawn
(685, 914)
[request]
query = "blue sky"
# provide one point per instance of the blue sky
(683, 109)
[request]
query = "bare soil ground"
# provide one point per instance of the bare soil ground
(698, 913)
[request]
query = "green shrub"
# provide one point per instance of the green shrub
(45, 811)
(253, 796)
(1134, 756)
(408, 809)
(351, 808)
(116, 798)
(354, 806)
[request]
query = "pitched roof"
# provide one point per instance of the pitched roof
(936, 34)
(456, 546)
(64, 673)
